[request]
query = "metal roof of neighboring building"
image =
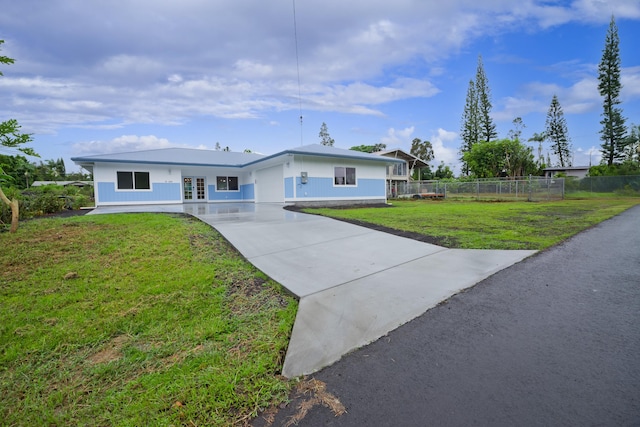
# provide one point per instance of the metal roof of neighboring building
(63, 183)
(399, 154)
(568, 168)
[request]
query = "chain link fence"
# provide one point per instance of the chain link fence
(622, 185)
(524, 188)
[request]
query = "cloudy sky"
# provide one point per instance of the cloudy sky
(97, 76)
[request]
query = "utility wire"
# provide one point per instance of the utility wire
(295, 35)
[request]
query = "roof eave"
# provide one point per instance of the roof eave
(91, 161)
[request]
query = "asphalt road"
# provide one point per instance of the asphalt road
(553, 340)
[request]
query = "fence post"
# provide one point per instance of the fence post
(477, 189)
(530, 198)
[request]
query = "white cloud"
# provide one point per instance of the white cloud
(601, 11)
(444, 149)
(582, 96)
(630, 79)
(590, 156)
(398, 137)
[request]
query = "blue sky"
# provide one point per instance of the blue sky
(99, 76)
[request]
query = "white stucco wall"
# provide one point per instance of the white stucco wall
(320, 185)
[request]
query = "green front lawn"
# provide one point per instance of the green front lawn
(136, 319)
(489, 225)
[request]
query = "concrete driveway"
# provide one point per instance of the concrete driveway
(355, 284)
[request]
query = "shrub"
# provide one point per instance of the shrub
(45, 200)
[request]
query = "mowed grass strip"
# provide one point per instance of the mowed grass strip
(488, 225)
(136, 319)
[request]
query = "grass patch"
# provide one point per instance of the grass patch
(488, 225)
(136, 319)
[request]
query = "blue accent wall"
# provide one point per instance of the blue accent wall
(324, 188)
(160, 192)
(288, 187)
(246, 192)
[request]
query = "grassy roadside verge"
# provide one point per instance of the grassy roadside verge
(136, 319)
(488, 225)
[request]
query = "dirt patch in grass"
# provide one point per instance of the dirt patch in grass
(249, 287)
(111, 352)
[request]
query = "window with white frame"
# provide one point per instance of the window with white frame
(131, 180)
(400, 169)
(344, 175)
(226, 183)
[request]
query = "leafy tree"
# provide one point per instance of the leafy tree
(22, 172)
(5, 59)
(79, 176)
(487, 127)
(557, 133)
(325, 138)
(516, 132)
(11, 137)
(624, 168)
(613, 129)
(539, 138)
(369, 148)
(50, 170)
(470, 131)
(506, 157)
(443, 172)
(424, 151)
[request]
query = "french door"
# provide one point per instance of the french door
(193, 188)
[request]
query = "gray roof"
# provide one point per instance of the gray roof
(320, 150)
(176, 156)
(194, 157)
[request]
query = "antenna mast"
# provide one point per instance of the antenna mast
(295, 35)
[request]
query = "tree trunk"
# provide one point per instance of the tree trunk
(15, 210)
(15, 214)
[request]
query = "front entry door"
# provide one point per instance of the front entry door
(193, 188)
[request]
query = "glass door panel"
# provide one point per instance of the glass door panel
(187, 185)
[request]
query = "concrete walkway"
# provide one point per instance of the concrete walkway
(355, 284)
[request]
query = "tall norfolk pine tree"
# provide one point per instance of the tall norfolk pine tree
(613, 128)
(477, 124)
(487, 127)
(556, 132)
(470, 130)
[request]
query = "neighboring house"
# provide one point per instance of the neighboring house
(399, 174)
(62, 183)
(308, 175)
(573, 171)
